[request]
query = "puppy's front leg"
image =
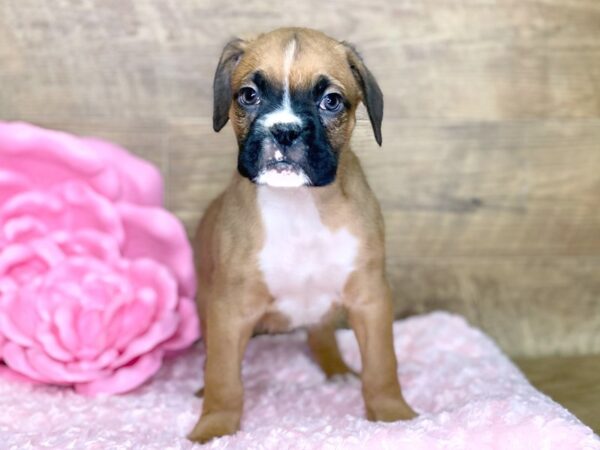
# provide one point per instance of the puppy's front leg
(370, 314)
(226, 337)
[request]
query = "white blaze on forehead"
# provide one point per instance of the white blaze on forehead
(288, 58)
(285, 113)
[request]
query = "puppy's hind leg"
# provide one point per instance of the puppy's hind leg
(325, 349)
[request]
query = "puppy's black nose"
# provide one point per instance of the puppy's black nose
(285, 133)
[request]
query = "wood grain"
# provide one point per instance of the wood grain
(571, 381)
(489, 176)
(531, 306)
(454, 59)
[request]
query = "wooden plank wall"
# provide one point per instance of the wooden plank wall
(490, 171)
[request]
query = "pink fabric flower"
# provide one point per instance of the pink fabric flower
(96, 279)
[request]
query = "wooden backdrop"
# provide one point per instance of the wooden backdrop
(490, 171)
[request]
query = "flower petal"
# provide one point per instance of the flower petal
(18, 317)
(156, 234)
(157, 333)
(12, 183)
(2, 342)
(69, 206)
(143, 188)
(14, 258)
(102, 362)
(90, 243)
(154, 284)
(17, 359)
(134, 320)
(48, 157)
(188, 330)
(61, 373)
(92, 338)
(21, 227)
(64, 320)
(50, 343)
(126, 378)
(8, 374)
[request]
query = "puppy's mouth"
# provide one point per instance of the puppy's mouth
(283, 174)
(282, 166)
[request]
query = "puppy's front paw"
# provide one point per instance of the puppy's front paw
(214, 425)
(390, 410)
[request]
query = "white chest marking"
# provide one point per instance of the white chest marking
(305, 264)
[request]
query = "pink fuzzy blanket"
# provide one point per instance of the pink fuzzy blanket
(469, 396)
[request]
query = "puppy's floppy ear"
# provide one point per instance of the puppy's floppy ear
(230, 57)
(372, 95)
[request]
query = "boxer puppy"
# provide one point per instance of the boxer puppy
(298, 233)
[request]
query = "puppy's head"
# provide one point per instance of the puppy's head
(291, 96)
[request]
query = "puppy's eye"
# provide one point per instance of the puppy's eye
(332, 102)
(248, 96)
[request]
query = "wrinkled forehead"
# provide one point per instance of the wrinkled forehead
(297, 61)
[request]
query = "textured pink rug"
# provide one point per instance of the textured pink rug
(468, 394)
